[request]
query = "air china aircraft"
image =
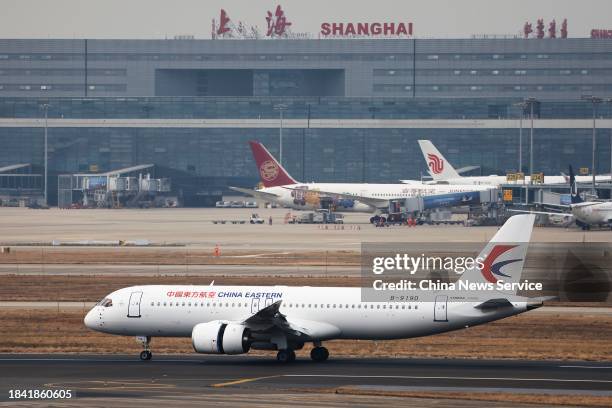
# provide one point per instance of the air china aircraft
(443, 172)
(236, 319)
(283, 189)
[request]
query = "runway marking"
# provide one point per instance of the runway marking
(410, 377)
(118, 384)
(242, 381)
(589, 367)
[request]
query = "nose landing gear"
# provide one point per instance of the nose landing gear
(285, 356)
(146, 354)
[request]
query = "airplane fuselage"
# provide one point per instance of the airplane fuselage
(327, 312)
(496, 181)
(307, 196)
(593, 213)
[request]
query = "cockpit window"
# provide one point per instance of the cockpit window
(106, 302)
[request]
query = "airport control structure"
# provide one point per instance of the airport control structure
(349, 110)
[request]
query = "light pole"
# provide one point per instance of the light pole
(280, 107)
(521, 105)
(45, 107)
(594, 101)
(530, 102)
(609, 100)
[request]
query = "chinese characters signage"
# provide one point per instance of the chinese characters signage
(541, 31)
(277, 25)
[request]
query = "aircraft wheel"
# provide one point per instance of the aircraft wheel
(285, 356)
(319, 354)
(146, 355)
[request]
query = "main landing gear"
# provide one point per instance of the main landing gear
(285, 356)
(146, 354)
(319, 353)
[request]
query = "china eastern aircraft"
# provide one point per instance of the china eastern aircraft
(236, 319)
(283, 189)
(442, 172)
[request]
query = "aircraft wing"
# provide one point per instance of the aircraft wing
(372, 202)
(560, 214)
(256, 193)
(466, 169)
(270, 318)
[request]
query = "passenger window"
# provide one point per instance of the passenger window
(164, 303)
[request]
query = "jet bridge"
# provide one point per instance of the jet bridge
(450, 200)
(127, 187)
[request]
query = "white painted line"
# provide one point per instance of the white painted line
(411, 377)
(587, 367)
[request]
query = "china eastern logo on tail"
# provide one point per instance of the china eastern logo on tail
(268, 170)
(435, 163)
(491, 270)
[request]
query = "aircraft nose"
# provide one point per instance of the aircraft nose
(90, 319)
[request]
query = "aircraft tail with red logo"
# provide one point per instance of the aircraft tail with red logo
(503, 257)
(439, 168)
(271, 173)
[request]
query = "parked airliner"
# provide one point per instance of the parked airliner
(442, 172)
(283, 189)
(584, 213)
(236, 319)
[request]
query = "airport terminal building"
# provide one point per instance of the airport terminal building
(352, 109)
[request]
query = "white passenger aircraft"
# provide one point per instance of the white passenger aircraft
(443, 172)
(283, 189)
(584, 213)
(235, 319)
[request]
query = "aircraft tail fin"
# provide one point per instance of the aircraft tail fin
(503, 257)
(439, 168)
(574, 196)
(271, 173)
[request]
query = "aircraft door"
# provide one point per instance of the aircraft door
(254, 305)
(269, 301)
(440, 312)
(134, 304)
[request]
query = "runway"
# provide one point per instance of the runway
(124, 376)
(177, 270)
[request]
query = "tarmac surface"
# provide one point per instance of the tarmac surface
(125, 376)
(194, 227)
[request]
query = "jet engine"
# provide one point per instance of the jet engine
(221, 338)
